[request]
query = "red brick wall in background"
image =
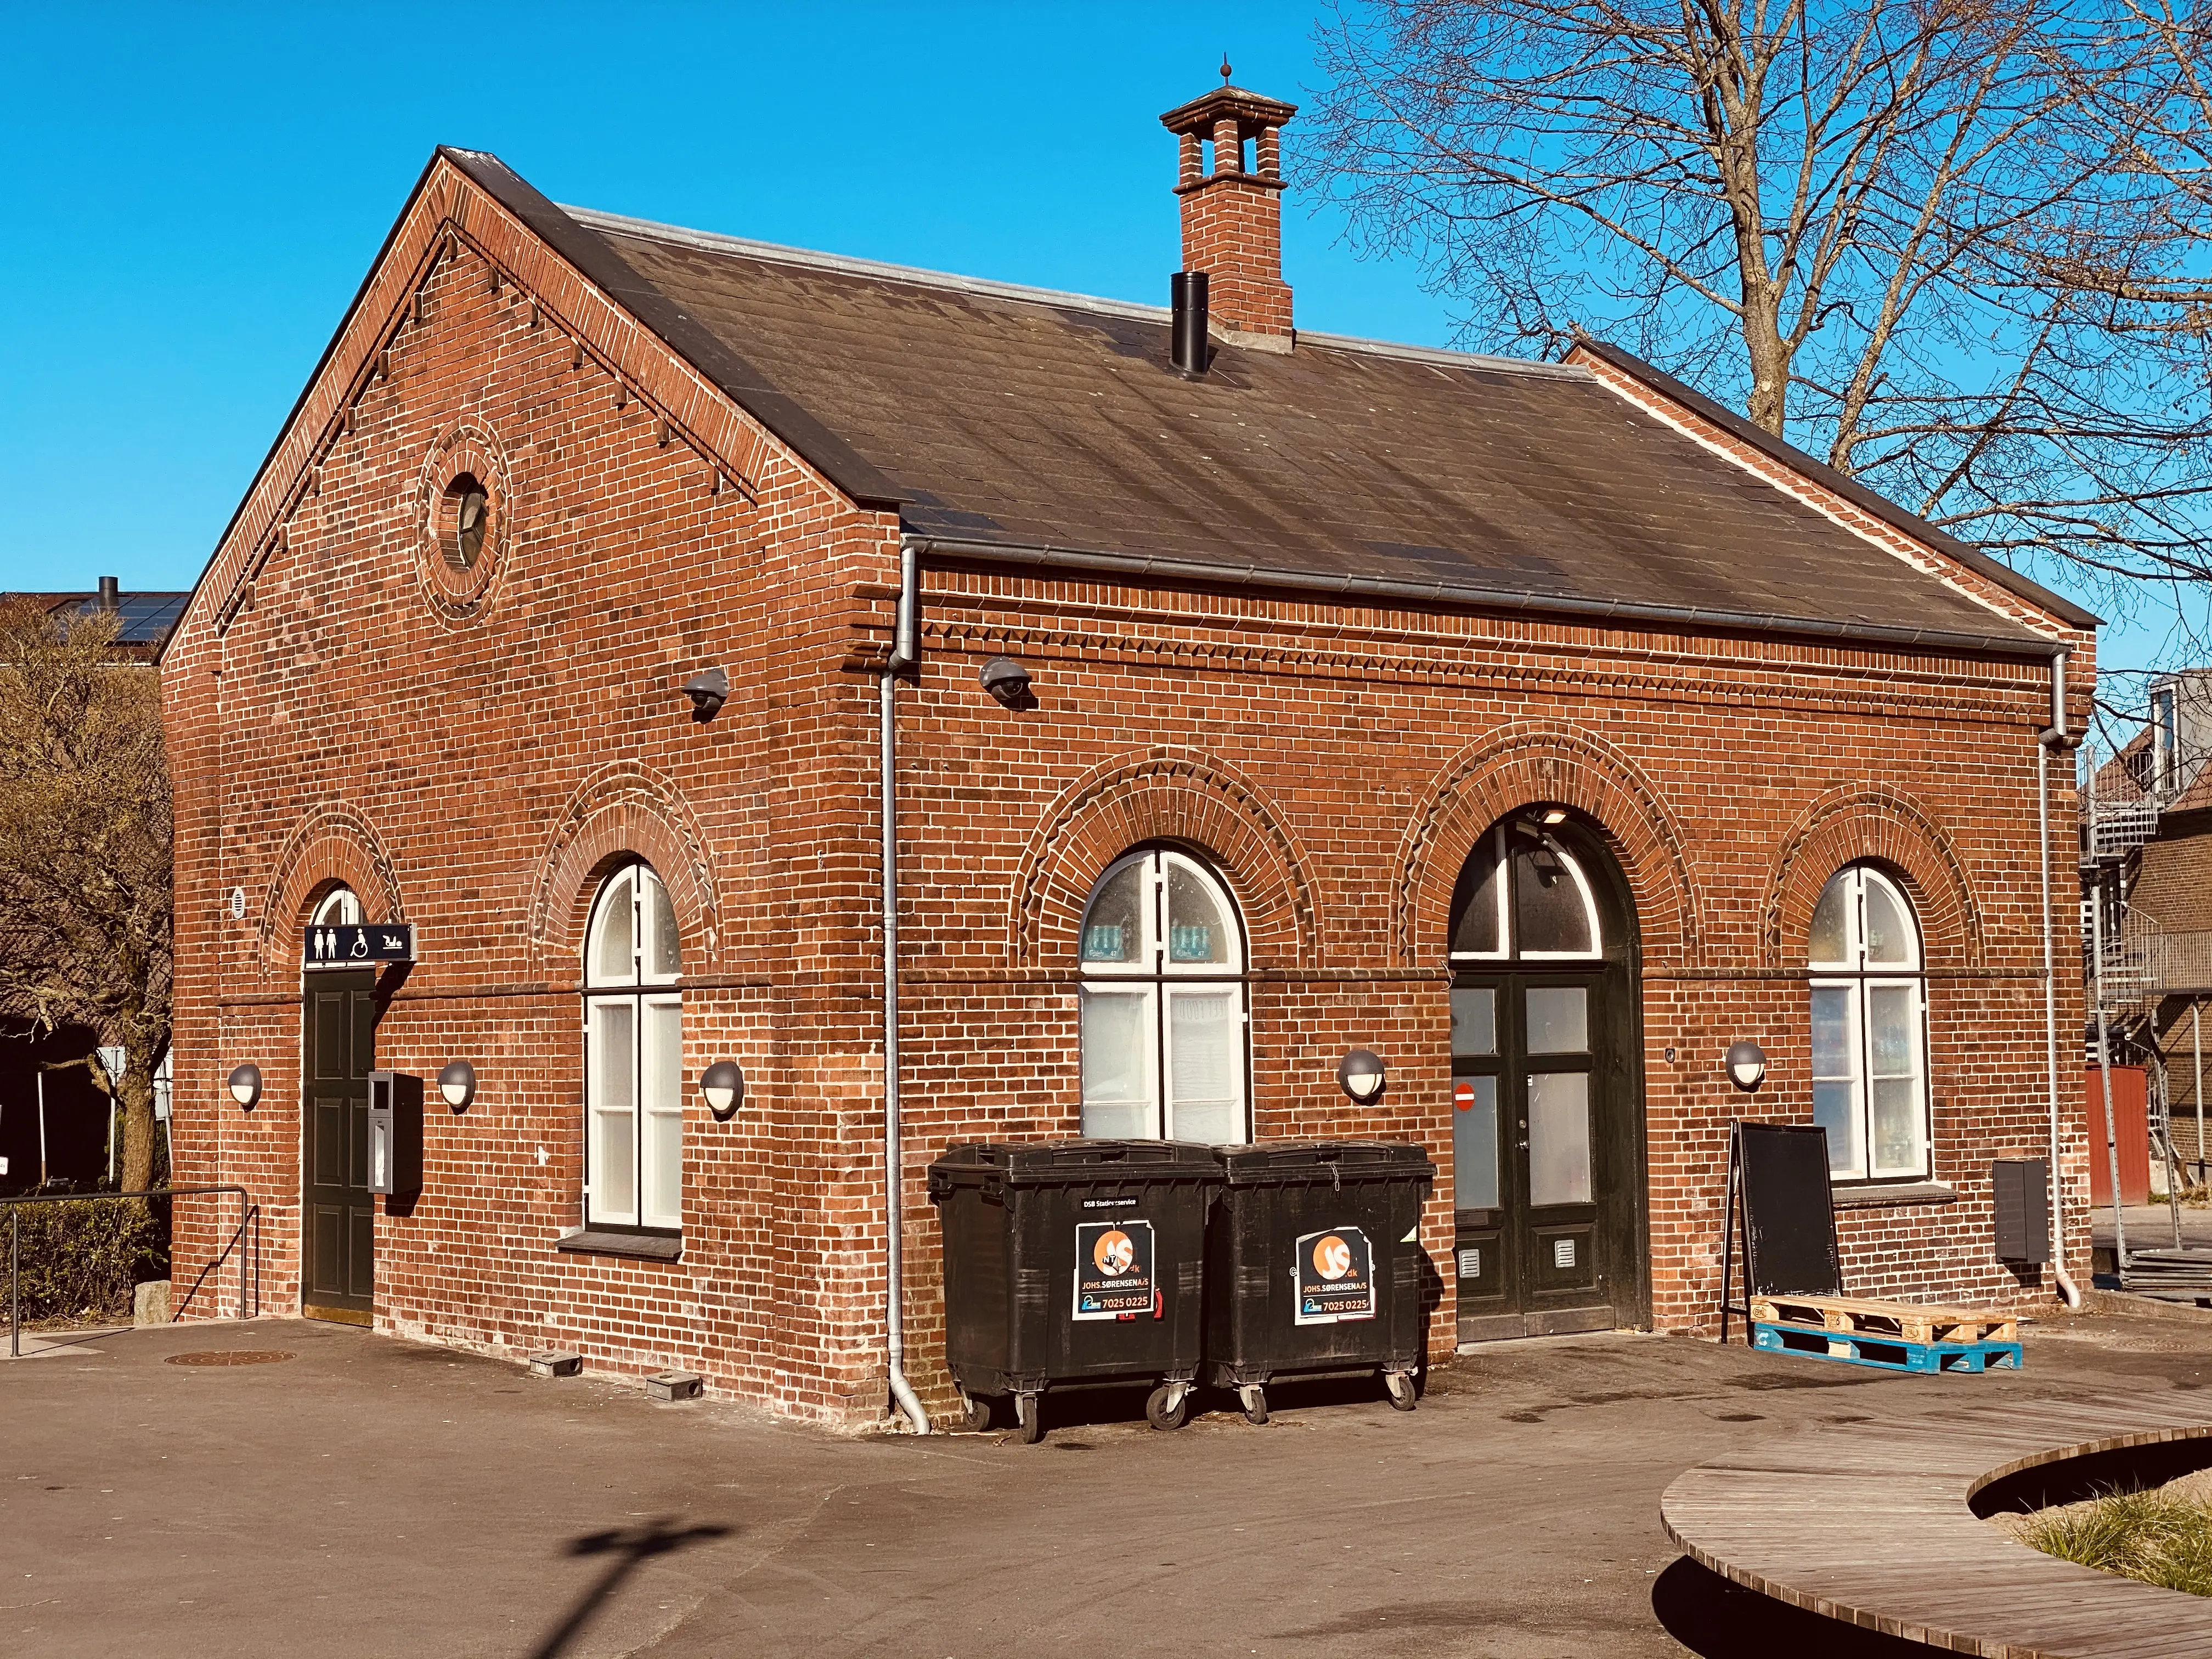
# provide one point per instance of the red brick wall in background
(336, 716)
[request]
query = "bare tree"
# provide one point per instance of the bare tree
(1888, 230)
(85, 893)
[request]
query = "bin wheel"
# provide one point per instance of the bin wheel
(975, 1413)
(1255, 1403)
(1401, 1390)
(1159, 1413)
(1027, 1412)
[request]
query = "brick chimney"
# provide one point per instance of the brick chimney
(1232, 212)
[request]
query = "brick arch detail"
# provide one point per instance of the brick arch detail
(1165, 796)
(1852, 826)
(623, 808)
(332, 844)
(1520, 766)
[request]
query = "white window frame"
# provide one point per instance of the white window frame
(642, 988)
(1156, 981)
(1502, 863)
(1858, 978)
(340, 907)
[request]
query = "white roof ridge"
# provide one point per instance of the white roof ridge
(846, 264)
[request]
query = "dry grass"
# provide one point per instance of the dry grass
(2161, 1537)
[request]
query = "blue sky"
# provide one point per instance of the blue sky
(193, 192)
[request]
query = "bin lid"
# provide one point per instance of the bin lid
(1041, 1163)
(1334, 1160)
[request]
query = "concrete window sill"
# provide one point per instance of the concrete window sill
(1903, 1192)
(647, 1246)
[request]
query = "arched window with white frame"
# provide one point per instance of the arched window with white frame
(634, 1056)
(1165, 1010)
(340, 907)
(1869, 1029)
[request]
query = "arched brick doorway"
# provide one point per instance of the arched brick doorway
(1547, 1087)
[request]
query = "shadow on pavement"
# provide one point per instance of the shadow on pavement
(630, 1547)
(1717, 1620)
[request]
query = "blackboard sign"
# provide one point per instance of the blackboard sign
(1777, 1187)
(1788, 1213)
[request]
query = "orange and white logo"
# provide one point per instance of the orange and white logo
(1114, 1254)
(1332, 1257)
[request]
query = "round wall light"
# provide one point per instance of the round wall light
(1360, 1074)
(245, 1084)
(1747, 1065)
(723, 1086)
(458, 1083)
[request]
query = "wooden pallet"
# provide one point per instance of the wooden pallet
(1901, 1321)
(1889, 1353)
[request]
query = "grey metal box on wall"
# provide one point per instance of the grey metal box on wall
(2021, 1188)
(395, 1132)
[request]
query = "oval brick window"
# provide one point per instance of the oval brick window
(465, 511)
(463, 508)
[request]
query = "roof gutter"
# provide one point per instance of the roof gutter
(1402, 591)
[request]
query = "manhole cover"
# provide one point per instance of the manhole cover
(229, 1357)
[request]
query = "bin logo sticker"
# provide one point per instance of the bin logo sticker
(1334, 1278)
(1113, 1268)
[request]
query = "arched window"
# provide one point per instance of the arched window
(634, 1056)
(1869, 1029)
(1164, 1004)
(1525, 896)
(340, 907)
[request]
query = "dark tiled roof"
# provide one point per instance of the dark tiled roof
(1029, 422)
(146, 619)
(1009, 421)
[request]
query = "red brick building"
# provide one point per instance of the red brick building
(1541, 727)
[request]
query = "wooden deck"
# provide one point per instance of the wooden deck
(1869, 1524)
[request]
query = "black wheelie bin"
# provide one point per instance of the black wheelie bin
(1314, 1268)
(1072, 1263)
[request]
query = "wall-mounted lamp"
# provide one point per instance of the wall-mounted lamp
(723, 1086)
(458, 1083)
(245, 1084)
(1360, 1075)
(708, 692)
(1555, 816)
(1005, 679)
(1747, 1065)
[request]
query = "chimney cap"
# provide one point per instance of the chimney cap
(1253, 111)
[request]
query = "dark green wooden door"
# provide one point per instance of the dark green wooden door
(337, 1224)
(1545, 1172)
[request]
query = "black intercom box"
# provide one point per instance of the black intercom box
(395, 1132)
(2021, 1188)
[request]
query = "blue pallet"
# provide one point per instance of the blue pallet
(1887, 1353)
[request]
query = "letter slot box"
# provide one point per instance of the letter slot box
(395, 1132)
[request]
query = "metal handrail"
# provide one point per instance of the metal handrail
(246, 1208)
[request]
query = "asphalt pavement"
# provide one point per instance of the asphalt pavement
(369, 1495)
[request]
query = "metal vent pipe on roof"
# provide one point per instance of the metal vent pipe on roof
(111, 594)
(1186, 298)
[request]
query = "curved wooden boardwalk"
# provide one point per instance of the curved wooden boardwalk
(1869, 1524)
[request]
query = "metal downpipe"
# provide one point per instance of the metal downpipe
(2069, 1292)
(894, 1154)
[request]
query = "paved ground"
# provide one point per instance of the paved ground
(370, 1497)
(2150, 1226)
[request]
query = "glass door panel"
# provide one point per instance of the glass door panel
(1558, 1138)
(1474, 1143)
